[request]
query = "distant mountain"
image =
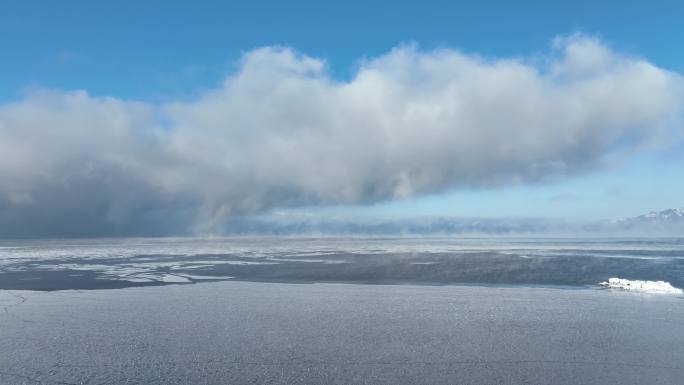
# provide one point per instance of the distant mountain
(656, 217)
(663, 223)
(398, 226)
(669, 216)
(667, 221)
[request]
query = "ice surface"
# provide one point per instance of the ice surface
(257, 247)
(282, 334)
(116, 263)
(644, 286)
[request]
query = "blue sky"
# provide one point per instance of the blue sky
(160, 51)
(163, 49)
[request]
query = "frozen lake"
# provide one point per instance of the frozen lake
(339, 311)
(119, 263)
(248, 332)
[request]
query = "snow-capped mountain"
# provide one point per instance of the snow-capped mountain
(670, 222)
(663, 223)
(665, 216)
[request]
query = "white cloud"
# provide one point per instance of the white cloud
(281, 132)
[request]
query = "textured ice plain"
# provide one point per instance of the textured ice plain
(246, 332)
(658, 287)
(119, 263)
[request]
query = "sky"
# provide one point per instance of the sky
(169, 116)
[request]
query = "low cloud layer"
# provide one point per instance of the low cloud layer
(281, 132)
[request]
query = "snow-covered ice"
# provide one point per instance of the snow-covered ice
(644, 286)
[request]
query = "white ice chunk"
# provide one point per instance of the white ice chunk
(660, 287)
(210, 277)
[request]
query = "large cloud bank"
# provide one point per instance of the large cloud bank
(281, 132)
